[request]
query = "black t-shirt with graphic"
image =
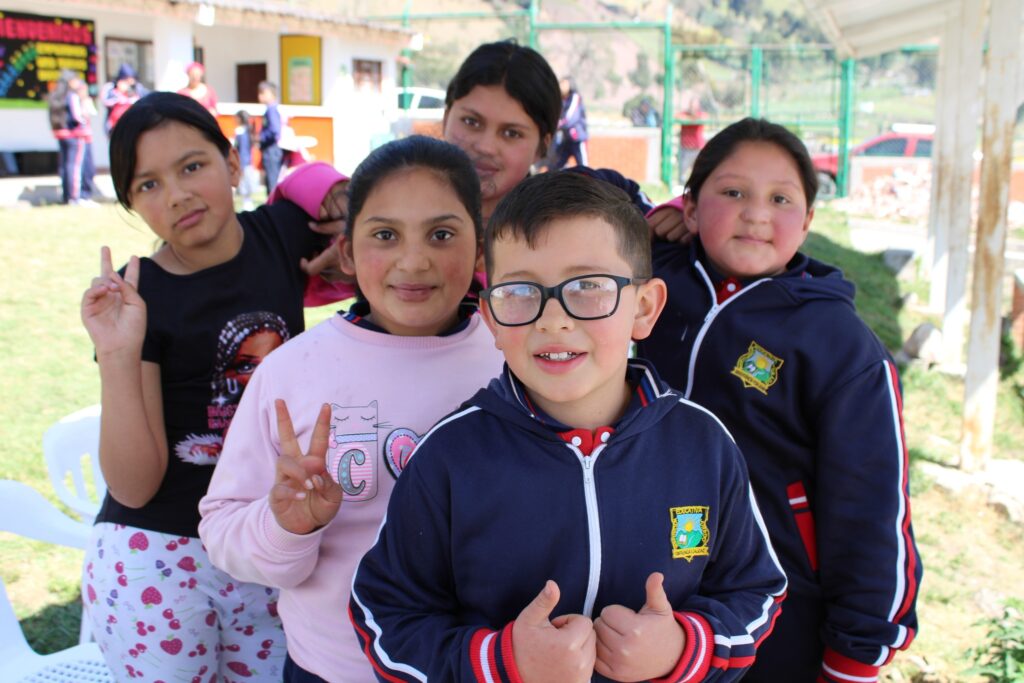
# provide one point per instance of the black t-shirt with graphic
(208, 331)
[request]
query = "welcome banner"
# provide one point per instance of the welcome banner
(34, 49)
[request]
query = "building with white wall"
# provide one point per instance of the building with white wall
(343, 71)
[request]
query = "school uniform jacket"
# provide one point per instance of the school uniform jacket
(813, 399)
(495, 502)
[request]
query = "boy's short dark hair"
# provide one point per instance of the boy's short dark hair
(527, 210)
(267, 85)
(523, 72)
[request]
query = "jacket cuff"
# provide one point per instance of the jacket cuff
(491, 657)
(676, 203)
(695, 661)
(837, 668)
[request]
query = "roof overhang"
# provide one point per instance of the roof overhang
(865, 28)
(265, 16)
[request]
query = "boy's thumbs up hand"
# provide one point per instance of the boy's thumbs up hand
(636, 646)
(552, 650)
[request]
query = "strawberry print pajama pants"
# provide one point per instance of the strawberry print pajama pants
(160, 611)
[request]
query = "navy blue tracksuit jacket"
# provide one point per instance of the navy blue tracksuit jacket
(495, 502)
(813, 400)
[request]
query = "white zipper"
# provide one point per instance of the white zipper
(709, 317)
(593, 524)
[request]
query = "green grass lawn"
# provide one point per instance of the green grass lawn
(49, 256)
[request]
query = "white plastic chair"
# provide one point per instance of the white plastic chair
(24, 511)
(66, 444)
(78, 664)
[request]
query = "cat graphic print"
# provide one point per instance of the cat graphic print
(354, 450)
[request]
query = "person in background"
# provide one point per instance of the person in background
(198, 90)
(573, 126)
(119, 94)
(88, 191)
(70, 127)
(644, 115)
(245, 140)
(270, 135)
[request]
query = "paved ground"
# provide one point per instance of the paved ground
(42, 190)
(869, 235)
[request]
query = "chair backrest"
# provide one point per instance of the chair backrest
(24, 511)
(66, 444)
(78, 664)
(12, 640)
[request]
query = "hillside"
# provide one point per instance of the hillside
(610, 66)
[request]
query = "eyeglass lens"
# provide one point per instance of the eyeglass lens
(584, 298)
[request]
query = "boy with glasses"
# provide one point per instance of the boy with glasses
(576, 520)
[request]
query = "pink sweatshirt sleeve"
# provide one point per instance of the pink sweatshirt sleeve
(237, 526)
(676, 203)
(307, 186)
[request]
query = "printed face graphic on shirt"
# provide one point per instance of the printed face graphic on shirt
(242, 344)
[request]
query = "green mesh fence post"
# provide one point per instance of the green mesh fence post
(847, 81)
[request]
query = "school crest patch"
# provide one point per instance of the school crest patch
(758, 368)
(690, 533)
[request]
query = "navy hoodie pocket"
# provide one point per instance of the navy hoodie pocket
(797, 495)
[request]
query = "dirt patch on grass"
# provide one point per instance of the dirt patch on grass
(973, 560)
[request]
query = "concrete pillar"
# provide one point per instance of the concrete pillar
(934, 266)
(955, 314)
(982, 379)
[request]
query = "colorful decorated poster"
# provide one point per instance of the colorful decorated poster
(34, 49)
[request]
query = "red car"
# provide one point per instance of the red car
(895, 144)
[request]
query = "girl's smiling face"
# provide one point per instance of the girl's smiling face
(751, 213)
(413, 250)
(499, 136)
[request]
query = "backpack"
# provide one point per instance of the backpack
(58, 106)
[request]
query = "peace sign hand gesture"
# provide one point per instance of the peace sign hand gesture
(113, 312)
(303, 498)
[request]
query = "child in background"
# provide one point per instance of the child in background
(769, 340)
(363, 387)
(245, 140)
(577, 484)
(271, 154)
(177, 338)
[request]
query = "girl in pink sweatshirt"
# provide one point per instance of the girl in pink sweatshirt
(295, 505)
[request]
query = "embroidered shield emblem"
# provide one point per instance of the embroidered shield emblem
(758, 368)
(690, 533)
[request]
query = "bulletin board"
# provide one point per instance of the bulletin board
(300, 70)
(34, 49)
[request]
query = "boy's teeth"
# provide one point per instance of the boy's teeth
(563, 355)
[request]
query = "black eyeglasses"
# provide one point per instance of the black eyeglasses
(584, 297)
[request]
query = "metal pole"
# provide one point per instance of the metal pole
(532, 13)
(756, 69)
(981, 383)
(407, 66)
(847, 79)
(668, 88)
